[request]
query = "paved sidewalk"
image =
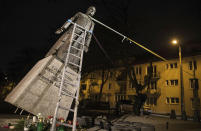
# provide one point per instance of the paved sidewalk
(160, 123)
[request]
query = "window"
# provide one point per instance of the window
(192, 65)
(176, 82)
(167, 82)
(193, 83)
(172, 82)
(171, 65)
(151, 101)
(175, 65)
(195, 64)
(172, 100)
(92, 76)
(177, 100)
(109, 86)
(167, 100)
(138, 70)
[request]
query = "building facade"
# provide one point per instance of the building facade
(163, 92)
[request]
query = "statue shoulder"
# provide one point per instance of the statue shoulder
(79, 14)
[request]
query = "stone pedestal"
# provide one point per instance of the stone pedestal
(38, 91)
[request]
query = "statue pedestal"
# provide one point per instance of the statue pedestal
(38, 91)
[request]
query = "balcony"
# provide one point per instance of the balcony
(155, 75)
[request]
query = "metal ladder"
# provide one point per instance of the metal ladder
(79, 40)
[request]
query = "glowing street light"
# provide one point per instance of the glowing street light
(175, 42)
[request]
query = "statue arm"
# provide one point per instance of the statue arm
(88, 38)
(67, 23)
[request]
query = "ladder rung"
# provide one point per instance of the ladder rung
(75, 55)
(78, 42)
(70, 84)
(64, 108)
(76, 48)
(82, 30)
(68, 125)
(71, 73)
(64, 93)
(74, 64)
(79, 35)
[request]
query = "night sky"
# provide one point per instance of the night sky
(27, 28)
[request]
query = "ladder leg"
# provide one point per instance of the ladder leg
(75, 63)
(76, 107)
(16, 110)
(53, 127)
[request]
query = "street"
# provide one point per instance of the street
(160, 123)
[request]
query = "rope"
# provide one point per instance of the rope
(100, 46)
(125, 37)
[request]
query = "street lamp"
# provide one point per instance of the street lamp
(183, 113)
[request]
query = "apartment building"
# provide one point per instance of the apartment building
(163, 92)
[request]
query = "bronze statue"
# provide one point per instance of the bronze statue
(61, 46)
(35, 93)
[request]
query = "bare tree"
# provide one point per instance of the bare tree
(139, 98)
(104, 77)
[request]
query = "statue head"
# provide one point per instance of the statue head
(91, 11)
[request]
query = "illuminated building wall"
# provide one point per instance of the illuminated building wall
(163, 92)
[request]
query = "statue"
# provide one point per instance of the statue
(60, 48)
(36, 92)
